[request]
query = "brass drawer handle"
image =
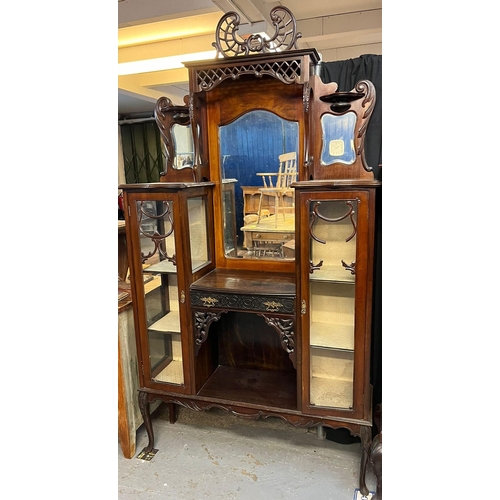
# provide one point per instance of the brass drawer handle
(209, 301)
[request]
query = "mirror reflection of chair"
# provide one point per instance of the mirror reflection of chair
(277, 184)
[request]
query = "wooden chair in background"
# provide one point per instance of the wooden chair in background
(277, 184)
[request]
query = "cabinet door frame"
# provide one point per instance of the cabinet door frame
(184, 278)
(361, 408)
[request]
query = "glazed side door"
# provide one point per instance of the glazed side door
(336, 261)
(169, 244)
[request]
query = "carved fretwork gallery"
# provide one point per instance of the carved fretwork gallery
(263, 311)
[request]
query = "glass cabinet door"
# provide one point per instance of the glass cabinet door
(159, 270)
(332, 301)
(170, 245)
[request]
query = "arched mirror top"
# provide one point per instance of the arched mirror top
(258, 162)
(254, 117)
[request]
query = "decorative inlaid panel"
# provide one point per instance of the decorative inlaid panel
(241, 302)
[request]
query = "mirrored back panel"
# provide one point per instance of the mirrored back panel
(255, 135)
(257, 201)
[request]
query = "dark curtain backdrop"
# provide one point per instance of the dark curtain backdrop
(346, 74)
(143, 153)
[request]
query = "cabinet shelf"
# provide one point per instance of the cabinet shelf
(272, 388)
(332, 373)
(168, 323)
(171, 374)
(333, 274)
(331, 393)
(165, 266)
(332, 336)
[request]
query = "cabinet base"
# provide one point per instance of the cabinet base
(359, 428)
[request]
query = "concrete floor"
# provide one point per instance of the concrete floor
(216, 455)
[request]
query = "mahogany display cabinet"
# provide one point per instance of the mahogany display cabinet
(251, 330)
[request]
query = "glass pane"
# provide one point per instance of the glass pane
(183, 146)
(197, 214)
(254, 186)
(338, 139)
(332, 302)
(157, 239)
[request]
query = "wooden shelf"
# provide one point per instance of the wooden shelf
(333, 274)
(165, 266)
(168, 323)
(172, 374)
(276, 389)
(332, 336)
(332, 378)
(331, 393)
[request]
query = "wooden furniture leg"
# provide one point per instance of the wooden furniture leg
(172, 412)
(146, 416)
(376, 461)
(366, 441)
(376, 452)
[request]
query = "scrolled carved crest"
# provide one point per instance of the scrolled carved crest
(368, 104)
(229, 44)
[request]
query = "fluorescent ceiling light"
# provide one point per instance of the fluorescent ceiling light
(163, 63)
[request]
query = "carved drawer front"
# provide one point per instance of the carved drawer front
(241, 302)
(247, 291)
(272, 236)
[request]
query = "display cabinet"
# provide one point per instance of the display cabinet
(335, 225)
(267, 318)
(170, 247)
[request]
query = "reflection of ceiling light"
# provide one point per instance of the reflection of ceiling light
(162, 63)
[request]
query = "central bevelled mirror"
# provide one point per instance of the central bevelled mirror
(258, 204)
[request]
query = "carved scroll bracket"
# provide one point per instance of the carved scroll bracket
(284, 327)
(203, 320)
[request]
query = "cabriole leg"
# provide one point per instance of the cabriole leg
(366, 440)
(146, 416)
(376, 461)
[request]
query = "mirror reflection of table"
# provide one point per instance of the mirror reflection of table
(271, 237)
